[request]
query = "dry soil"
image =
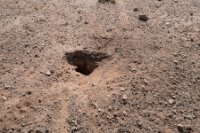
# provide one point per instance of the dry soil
(148, 82)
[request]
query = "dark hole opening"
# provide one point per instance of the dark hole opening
(86, 68)
(85, 61)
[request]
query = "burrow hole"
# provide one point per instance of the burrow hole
(85, 61)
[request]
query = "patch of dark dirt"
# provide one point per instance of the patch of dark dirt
(85, 61)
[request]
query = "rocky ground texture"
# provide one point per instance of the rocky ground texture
(137, 69)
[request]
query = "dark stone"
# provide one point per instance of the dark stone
(136, 9)
(28, 92)
(107, 1)
(143, 18)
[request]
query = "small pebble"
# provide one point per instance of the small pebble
(8, 87)
(48, 73)
(122, 88)
(4, 98)
(124, 97)
(171, 101)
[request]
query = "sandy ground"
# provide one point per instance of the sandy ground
(150, 83)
